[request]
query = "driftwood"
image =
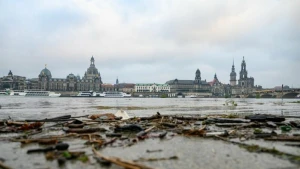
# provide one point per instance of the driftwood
(153, 151)
(157, 159)
(14, 123)
(60, 146)
(61, 117)
(99, 121)
(293, 145)
(55, 119)
(229, 124)
(172, 125)
(48, 120)
(113, 135)
(40, 141)
(265, 117)
(79, 130)
(121, 162)
(224, 120)
(264, 135)
(143, 133)
(286, 138)
(128, 127)
(189, 118)
(75, 125)
(151, 117)
(3, 166)
(110, 141)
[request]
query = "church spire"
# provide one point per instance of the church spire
(233, 75)
(243, 72)
(92, 61)
(232, 68)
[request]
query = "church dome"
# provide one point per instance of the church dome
(92, 70)
(232, 74)
(71, 76)
(45, 72)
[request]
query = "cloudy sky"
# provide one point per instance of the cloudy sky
(153, 41)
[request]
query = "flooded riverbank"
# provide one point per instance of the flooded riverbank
(191, 151)
(24, 107)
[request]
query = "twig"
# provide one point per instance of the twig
(162, 118)
(3, 166)
(157, 159)
(121, 162)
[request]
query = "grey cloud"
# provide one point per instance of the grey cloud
(152, 41)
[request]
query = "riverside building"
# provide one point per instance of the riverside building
(151, 87)
(12, 82)
(245, 85)
(197, 87)
(90, 81)
(217, 88)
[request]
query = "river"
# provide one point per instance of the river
(43, 107)
(192, 152)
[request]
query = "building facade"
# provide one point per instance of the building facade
(13, 82)
(151, 87)
(190, 86)
(245, 84)
(90, 81)
(217, 88)
(125, 87)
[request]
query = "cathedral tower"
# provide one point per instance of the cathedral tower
(117, 81)
(243, 72)
(198, 77)
(233, 76)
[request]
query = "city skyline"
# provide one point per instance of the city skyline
(152, 41)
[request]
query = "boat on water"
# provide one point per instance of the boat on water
(86, 94)
(40, 93)
(4, 93)
(190, 96)
(114, 94)
(28, 93)
(17, 93)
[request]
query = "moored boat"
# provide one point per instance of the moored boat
(17, 93)
(114, 94)
(190, 96)
(86, 94)
(40, 93)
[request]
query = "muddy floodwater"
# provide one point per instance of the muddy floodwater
(24, 107)
(190, 152)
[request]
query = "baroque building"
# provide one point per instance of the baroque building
(90, 81)
(13, 82)
(120, 87)
(245, 84)
(217, 88)
(151, 87)
(190, 86)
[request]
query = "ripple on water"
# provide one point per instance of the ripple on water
(36, 107)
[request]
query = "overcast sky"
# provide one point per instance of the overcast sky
(152, 41)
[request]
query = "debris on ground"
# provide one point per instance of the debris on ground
(101, 131)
